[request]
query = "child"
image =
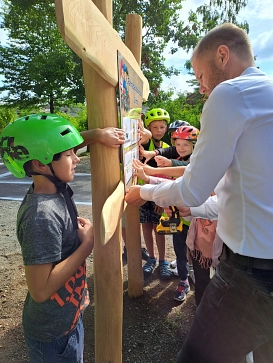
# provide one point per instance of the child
(156, 121)
(184, 138)
(179, 153)
(54, 241)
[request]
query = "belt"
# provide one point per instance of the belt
(249, 262)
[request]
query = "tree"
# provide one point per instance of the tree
(207, 17)
(7, 115)
(160, 23)
(38, 67)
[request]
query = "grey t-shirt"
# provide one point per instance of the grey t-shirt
(46, 235)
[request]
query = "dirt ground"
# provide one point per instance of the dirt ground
(154, 325)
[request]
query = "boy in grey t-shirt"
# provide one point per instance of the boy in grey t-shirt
(54, 240)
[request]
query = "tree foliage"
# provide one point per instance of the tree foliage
(206, 17)
(160, 19)
(7, 115)
(38, 67)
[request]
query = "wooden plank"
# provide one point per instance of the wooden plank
(133, 40)
(111, 213)
(94, 40)
(105, 170)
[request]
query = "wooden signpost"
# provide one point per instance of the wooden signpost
(86, 27)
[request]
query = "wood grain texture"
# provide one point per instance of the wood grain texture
(94, 40)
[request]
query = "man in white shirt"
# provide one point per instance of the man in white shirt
(233, 157)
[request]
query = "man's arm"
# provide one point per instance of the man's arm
(208, 210)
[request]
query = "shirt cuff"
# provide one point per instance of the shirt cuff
(198, 211)
(146, 192)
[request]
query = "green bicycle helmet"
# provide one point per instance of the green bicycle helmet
(156, 114)
(36, 137)
(134, 113)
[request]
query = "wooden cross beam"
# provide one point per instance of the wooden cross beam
(86, 26)
(90, 35)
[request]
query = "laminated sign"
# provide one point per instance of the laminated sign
(130, 109)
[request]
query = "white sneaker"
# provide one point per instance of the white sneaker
(175, 271)
(249, 358)
(173, 264)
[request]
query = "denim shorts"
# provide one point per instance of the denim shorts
(66, 349)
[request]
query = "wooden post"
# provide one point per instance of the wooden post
(133, 40)
(105, 170)
(91, 36)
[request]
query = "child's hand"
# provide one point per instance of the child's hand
(112, 137)
(86, 233)
(144, 134)
(162, 161)
(141, 129)
(139, 171)
(148, 155)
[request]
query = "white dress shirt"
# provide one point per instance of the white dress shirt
(208, 210)
(234, 152)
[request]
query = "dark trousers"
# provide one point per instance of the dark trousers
(180, 249)
(202, 279)
(235, 317)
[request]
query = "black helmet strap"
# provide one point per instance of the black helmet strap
(66, 191)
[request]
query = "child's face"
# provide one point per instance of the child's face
(64, 168)
(158, 129)
(183, 147)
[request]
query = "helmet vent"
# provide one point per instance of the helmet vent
(65, 132)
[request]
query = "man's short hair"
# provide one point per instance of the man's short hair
(235, 38)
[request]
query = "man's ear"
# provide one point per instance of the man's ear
(38, 166)
(222, 55)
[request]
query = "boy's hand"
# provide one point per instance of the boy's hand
(132, 196)
(162, 161)
(112, 137)
(86, 233)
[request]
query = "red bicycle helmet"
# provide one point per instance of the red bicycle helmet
(189, 133)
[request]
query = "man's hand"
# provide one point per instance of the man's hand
(183, 211)
(132, 196)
